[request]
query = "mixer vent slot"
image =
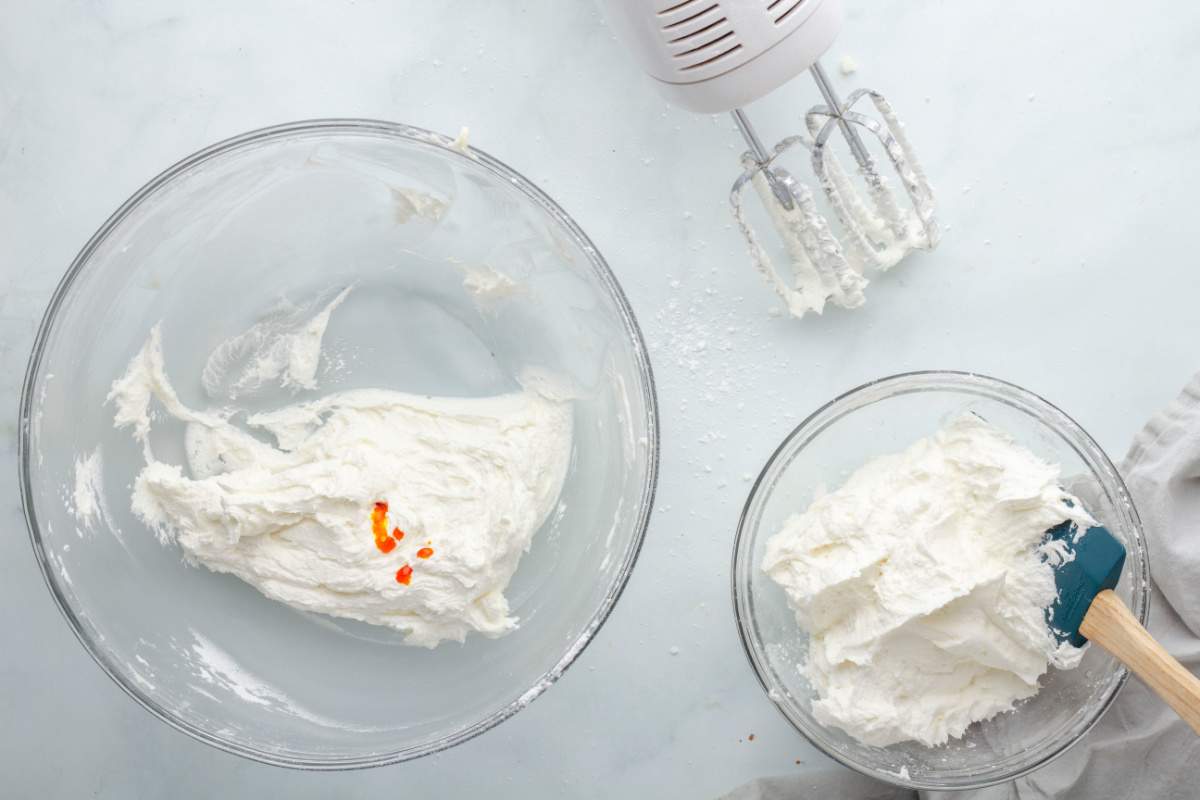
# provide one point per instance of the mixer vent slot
(780, 10)
(662, 12)
(692, 34)
(706, 46)
(679, 23)
(714, 59)
(698, 33)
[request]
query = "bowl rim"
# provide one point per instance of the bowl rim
(813, 425)
(411, 135)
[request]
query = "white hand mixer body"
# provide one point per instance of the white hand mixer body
(718, 55)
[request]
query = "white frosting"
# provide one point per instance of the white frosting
(462, 142)
(283, 348)
(487, 284)
(88, 496)
(409, 203)
(923, 582)
(473, 479)
(304, 347)
(820, 272)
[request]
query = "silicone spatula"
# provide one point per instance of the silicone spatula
(1088, 609)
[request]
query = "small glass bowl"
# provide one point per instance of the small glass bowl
(883, 417)
(285, 215)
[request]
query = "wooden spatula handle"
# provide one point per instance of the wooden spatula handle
(1110, 624)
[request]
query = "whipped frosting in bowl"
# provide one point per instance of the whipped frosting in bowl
(297, 331)
(305, 519)
(900, 698)
(923, 583)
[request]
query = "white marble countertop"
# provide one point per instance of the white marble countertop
(1064, 139)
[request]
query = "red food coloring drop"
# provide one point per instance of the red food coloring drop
(404, 575)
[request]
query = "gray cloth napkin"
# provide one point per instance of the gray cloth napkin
(1140, 749)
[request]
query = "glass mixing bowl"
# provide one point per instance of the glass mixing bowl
(885, 417)
(420, 228)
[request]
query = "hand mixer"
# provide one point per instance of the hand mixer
(718, 55)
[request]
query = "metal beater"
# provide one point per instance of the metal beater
(719, 55)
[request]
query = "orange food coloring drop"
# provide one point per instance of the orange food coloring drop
(425, 552)
(404, 575)
(397, 534)
(379, 526)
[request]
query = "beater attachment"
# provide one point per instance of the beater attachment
(877, 230)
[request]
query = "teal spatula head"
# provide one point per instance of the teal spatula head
(1096, 566)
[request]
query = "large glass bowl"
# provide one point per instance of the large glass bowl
(293, 213)
(885, 417)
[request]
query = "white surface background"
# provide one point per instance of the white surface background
(1064, 139)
